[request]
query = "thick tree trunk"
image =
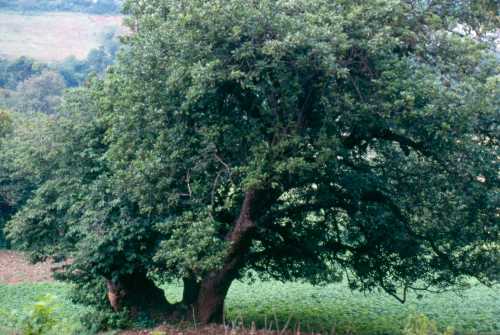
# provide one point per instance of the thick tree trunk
(214, 287)
(205, 299)
(210, 302)
(138, 293)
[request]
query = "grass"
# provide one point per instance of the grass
(317, 308)
(52, 36)
(16, 301)
(321, 308)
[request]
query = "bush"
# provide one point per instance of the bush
(42, 318)
(99, 320)
(420, 324)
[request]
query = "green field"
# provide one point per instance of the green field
(52, 36)
(318, 308)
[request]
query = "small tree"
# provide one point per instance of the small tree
(5, 209)
(300, 139)
(40, 94)
(15, 185)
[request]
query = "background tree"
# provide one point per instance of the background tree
(5, 129)
(15, 186)
(40, 94)
(14, 72)
(306, 140)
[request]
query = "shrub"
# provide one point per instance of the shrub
(420, 324)
(44, 318)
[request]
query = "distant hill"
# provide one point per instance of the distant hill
(54, 36)
(86, 6)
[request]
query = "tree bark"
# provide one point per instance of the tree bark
(191, 291)
(138, 293)
(214, 287)
(205, 298)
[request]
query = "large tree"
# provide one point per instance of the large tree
(301, 139)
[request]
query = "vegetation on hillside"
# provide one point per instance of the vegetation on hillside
(55, 36)
(29, 86)
(89, 6)
(29, 92)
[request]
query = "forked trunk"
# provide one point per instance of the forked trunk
(138, 293)
(205, 299)
(214, 287)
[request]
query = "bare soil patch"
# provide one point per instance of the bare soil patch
(15, 269)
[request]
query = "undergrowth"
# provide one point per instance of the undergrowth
(274, 305)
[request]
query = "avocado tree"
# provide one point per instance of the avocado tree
(312, 140)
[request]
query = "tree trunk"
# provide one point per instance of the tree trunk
(138, 293)
(205, 299)
(191, 291)
(210, 303)
(214, 287)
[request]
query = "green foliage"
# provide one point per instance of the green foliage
(40, 309)
(363, 121)
(421, 325)
(96, 321)
(41, 94)
(14, 72)
(14, 188)
(22, 154)
(40, 319)
(76, 72)
(5, 124)
(319, 309)
(28, 86)
(367, 129)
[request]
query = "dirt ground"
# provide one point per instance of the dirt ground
(15, 269)
(211, 330)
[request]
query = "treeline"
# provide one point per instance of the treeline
(28, 86)
(88, 6)
(33, 91)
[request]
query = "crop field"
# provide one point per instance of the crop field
(52, 36)
(318, 309)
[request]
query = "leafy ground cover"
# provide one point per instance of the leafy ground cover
(322, 308)
(17, 301)
(319, 309)
(52, 36)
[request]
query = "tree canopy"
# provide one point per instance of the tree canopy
(312, 140)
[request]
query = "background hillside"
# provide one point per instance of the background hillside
(53, 36)
(88, 6)
(47, 46)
